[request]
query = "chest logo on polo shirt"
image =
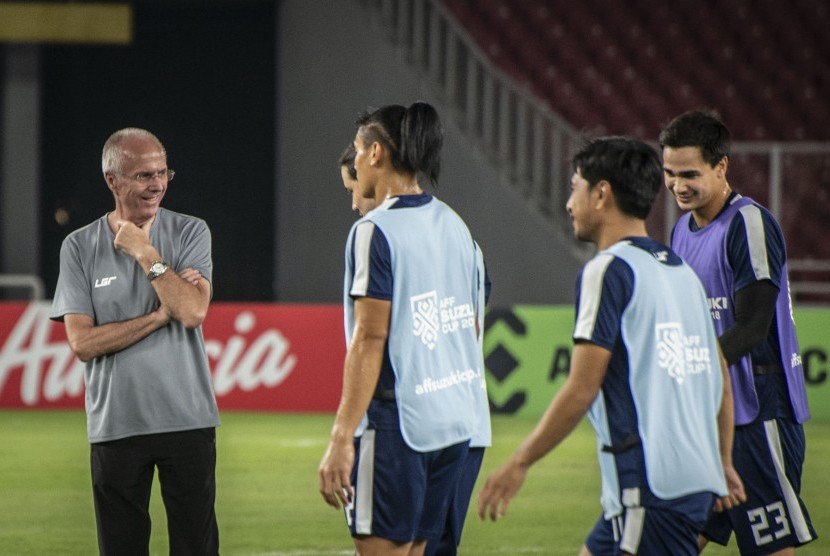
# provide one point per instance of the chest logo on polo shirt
(103, 282)
(682, 356)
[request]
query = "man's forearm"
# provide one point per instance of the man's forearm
(589, 364)
(754, 311)
(88, 342)
(565, 412)
(360, 376)
(187, 303)
(726, 415)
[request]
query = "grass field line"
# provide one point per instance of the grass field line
(302, 553)
(306, 552)
(307, 442)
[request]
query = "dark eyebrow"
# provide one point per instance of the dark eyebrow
(683, 174)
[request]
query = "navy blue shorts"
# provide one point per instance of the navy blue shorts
(671, 527)
(400, 494)
(451, 537)
(769, 456)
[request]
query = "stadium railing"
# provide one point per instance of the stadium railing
(13, 283)
(530, 145)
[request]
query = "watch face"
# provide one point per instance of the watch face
(157, 268)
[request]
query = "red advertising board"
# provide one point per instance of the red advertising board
(264, 357)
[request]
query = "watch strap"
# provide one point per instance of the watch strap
(152, 275)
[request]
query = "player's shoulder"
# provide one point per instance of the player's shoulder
(607, 280)
(180, 222)
(603, 267)
(754, 220)
(366, 238)
(364, 226)
(748, 208)
(86, 233)
(598, 263)
(656, 251)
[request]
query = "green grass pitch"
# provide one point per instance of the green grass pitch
(267, 500)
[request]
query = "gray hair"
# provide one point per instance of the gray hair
(113, 156)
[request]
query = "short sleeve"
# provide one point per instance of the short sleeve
(196, 249)
(755, 247)
(604, 289)
(372, 263)
(72, 293)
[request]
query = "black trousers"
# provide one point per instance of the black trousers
(122, 479)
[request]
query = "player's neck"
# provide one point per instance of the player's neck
(398, 184)
(619, 229)
(117, 215)
(706, 214)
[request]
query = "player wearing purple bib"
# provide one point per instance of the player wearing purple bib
(646, 368)
(737, 249)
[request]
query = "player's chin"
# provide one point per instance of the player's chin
(687, 203)
(148, 208)
(580, 235)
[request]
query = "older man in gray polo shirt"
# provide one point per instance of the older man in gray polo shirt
(133, 290)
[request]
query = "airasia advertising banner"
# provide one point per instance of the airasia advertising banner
(264, 357)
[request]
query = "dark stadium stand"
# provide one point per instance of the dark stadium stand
(621, 67)
(626, 67)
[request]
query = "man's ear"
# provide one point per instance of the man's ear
(109, 177)
(603, 191)
(376, 152)
(721, 167)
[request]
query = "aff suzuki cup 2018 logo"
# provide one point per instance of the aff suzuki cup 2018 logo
(682, 356)
(433, 316)
(425, 322)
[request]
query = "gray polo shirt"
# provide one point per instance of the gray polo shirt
(163, 382)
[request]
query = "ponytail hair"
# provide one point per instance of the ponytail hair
(413, 137)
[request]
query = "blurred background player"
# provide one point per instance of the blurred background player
(414, 360)
(360, 205)
(645, 366)
(737, 249)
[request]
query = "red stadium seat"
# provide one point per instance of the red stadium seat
(762, 65)
(629, 67)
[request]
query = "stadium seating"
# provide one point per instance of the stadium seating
(618, 67)
(761, 63)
